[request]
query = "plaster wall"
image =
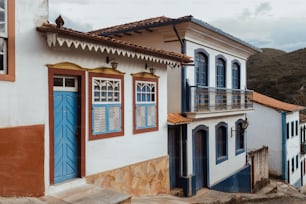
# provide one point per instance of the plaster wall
(234, 162)
(265, 128)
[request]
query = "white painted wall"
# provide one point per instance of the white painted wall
(265, 128)
(25, 101)
(232, 164)
(303, 157)
(293, 147)
(190, 51)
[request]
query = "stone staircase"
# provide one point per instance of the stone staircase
(87, 194)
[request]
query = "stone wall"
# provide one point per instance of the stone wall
(260, 167)
(144, 178)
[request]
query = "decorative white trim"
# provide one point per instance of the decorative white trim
(54, 40)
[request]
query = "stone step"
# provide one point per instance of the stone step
(268, 189)
(88, 194)
(178, 192)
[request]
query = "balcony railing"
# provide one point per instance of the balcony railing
(210, 99)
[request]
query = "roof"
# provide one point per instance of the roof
(177, 119)
(51, 28)
(302, 118)
(275, 104)
(164, 21)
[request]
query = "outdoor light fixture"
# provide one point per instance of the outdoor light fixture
(113, 63)
(151, 69)
(244, 125)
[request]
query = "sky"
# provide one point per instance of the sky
(279, 24)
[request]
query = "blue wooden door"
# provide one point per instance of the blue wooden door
(200, 159)
(65, 135)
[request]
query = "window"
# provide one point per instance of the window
(145, 104)
(297, 161)
(221, 73)
(201, 67)
(236, 75)
(236, 98)
(106, 105)
(292, 129)
(221, 142)
(287, 128)
(292, 165)
(7, 40)
(239, 137)
(296, 128)
(221, 84)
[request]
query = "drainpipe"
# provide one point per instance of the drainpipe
(284, 141)
(183, 74)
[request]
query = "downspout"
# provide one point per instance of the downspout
(284, 141)
(183, 74)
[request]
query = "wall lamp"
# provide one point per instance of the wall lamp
(151, 69)
(113, 63)
(244, 126)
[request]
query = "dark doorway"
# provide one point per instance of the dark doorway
(200, 156)
(174, 151)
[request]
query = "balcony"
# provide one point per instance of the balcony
(303, 148)
(213, 102)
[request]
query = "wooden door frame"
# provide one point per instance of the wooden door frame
(81, 131)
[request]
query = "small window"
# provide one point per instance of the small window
(201, 68)
(145, 104)
(292, 129)
(297, 161)
(106, 105)
(292, 165)
(239, 137)
(287, 129)
(221, 73)
(7, 40)
(296, 128)
(236, 75)
(221, 142)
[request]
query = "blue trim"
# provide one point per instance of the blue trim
(223, 158)
(206, 54)
(147, 115)
(206, 129)
(239, 150)
(184, 81)
(238, 182)
(107, 107)
(284, 140)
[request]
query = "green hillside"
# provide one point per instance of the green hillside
(279, 74)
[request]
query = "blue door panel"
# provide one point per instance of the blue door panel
(65, 135)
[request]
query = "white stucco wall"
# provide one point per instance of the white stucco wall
(293, 147)
(234, 162)
(25, 101)
(213, 52)
(265, 128)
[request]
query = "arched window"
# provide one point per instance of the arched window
(239, 137)
(221, 73)
(236, 75)
(201, 67)
(221, 142)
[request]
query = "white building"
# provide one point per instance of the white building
(275, 124)
(206, 148)
(303, 148)
(70, 115)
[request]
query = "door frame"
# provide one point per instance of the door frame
(81, 138)
(194, 131)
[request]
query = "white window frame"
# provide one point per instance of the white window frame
(107, 106)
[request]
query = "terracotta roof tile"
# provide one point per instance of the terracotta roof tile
(45, 28)
(177, 119)
(274, 103)
(150, 22)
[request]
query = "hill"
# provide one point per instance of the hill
(279, 74)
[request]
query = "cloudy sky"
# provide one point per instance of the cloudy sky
(279, 24)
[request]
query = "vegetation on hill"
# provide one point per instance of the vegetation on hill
(279, 74)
